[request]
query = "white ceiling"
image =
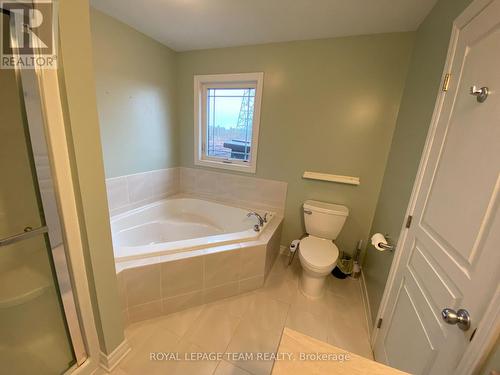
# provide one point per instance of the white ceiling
(196, 24)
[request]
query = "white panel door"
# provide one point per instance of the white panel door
(450, 257)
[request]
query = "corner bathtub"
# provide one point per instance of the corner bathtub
(180, 224)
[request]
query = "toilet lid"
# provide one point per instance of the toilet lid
(318, 252)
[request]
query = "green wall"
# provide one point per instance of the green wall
(328, 106)
(135, 84)
(417, 106)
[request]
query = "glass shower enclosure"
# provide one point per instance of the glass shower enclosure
(39, 327)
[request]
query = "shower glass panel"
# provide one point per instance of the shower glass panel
(34, 333)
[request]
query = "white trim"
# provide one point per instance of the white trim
(366, 304)
(65, 190)
(110, 361)
(226, 80)
(477, 350)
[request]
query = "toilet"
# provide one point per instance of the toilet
(317, 253)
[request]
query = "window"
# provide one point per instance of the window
(227, 114)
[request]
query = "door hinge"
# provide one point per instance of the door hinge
(379, 323)
(446, 82)
(408, 221)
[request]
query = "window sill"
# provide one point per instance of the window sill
(250, 168)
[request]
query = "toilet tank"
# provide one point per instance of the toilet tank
(324, 220)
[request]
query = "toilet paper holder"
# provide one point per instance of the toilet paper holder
(389, 245)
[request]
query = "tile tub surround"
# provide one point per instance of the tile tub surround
(259, 193)
(132, 191)
(136, 190)
(162, 285)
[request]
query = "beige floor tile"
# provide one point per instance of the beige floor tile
(139, 362)
(138, 333)
(320, 307)
(235, 306)
(266, 313)
(254, 339)
(259, 332)
(213, 328)
(117, 371)
(353, 340)
(281, 266)
(251, 322)
(347, 327)
(226, 368)
(349, 312)
(348, 288)
(181, 321)
(307, 323)
(189, 364)
(280, 288)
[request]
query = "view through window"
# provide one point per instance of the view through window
(229, 124)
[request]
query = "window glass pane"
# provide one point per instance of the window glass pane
(229, 122)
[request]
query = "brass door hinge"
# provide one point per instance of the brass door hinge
(379, 323)
(408, 221)
(446, 82)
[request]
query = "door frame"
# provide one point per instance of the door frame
(486, 334)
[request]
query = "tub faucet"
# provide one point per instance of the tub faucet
(253, 213)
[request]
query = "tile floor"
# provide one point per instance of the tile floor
(249, 323)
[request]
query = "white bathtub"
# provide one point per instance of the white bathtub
(180, 224)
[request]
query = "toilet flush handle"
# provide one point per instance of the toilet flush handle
(308, 212)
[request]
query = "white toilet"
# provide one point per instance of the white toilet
(317, 253)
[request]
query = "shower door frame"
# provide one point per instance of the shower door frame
(59, 155)
(85, 341)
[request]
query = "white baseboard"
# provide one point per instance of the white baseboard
(366, 304)
(109, 361)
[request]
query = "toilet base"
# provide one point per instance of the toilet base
(312, 285)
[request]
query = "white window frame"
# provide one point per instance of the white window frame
(240, 80)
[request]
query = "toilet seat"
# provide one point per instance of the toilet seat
(318, 253)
